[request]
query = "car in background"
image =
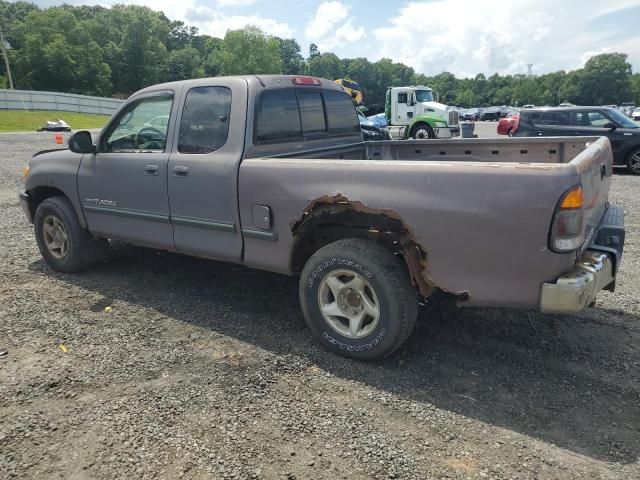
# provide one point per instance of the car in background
(379, 119)
(636, 115)
(528, 106)
(471, 114)
(491, 114)
(509, 124)
(371, 130)
(622, 132)
(628, 108)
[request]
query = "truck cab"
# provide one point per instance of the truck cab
(412, 112)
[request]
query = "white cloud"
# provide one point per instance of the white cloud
(235, 3)
(496, 36)
(214, 23)
(331, 26)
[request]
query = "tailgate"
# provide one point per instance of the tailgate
(595, 169)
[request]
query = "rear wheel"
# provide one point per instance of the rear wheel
(358, 299)
(422, 131)
(63, 243)
(633, 162)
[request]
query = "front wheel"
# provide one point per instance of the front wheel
(422, 131)
(357, 297)
(63, 243)
(633, 162)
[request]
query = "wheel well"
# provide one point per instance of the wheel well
(38, 195)
(629, 152)
(337, 219)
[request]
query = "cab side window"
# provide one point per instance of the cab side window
(140, 127)
(403, 97)
(204, 127)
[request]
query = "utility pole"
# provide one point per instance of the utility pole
(6, 58)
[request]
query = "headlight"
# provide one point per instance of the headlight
(440, 125)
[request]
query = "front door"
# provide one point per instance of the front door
(591, 123)
(123, 187)
(203, 169)
(403, 111)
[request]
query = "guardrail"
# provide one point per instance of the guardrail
(56, 101)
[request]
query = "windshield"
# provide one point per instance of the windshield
(424, 96)
(622, 119)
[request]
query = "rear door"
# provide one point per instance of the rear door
(203, 168)
(553, 123)
(123, 187)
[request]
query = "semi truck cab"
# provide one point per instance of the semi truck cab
(412, 112)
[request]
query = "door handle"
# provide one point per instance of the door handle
(151, 170)
(180, 171)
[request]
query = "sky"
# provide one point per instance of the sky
(464, 37)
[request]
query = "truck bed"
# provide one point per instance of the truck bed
(480, 209)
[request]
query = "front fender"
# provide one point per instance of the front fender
(56, 170)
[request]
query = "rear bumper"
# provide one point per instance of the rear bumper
(595, 271)
(576, 290)
(25, 201)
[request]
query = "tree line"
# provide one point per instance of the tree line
(115, 51)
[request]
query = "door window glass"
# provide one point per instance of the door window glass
(141, 126)
(204, 127)
(591, 119)
(402, 98)
(554, 118)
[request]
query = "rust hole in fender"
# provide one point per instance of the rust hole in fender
(336, 216)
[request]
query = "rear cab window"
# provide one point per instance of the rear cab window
(204, 126)
(298, 114)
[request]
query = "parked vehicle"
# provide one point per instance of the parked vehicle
(627, 108)
(623, 133)
(508, 125)
(411, 112)
(491, 114)
(528, 106)
(271, 172)
(471, 114)
(55, 126)
(371, 130)
(636, 115)
(379, 120)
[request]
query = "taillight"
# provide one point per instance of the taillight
(566, 228)
(305, 81)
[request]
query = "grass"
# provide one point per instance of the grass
(21, 121)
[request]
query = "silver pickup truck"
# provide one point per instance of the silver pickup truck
(272, 172)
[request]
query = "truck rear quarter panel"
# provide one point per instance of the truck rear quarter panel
(484, 226)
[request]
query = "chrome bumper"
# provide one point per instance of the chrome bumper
(576, 290)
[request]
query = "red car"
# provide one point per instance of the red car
(508, 125)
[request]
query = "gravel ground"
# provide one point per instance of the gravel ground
(205, 370)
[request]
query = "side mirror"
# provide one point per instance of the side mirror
(610, 125)
(81, 142)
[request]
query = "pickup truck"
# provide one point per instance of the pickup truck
(272, 172)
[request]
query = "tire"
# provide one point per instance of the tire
(510, 132)
(367, 278)
(633, 161)
(63, 243)
(422, 129)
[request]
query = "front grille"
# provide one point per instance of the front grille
(453, 118)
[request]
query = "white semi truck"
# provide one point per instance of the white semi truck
(412, 112)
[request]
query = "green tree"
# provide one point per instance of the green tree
(248, 51)
(184, 64)
(327, 65)
(292, 61)
(606, 79)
